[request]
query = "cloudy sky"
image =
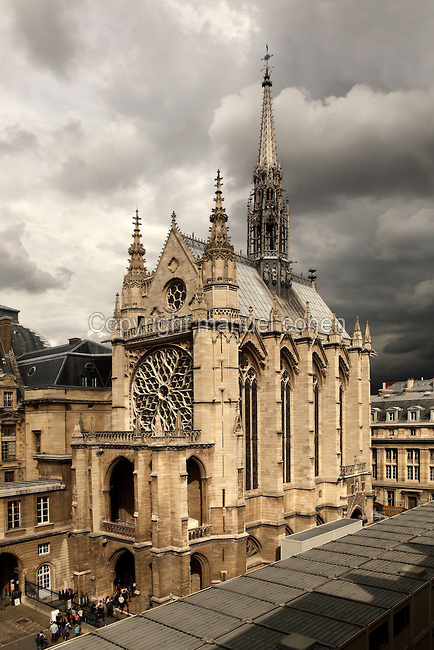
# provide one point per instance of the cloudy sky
(107, 106)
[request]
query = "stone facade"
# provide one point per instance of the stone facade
(402, 424)
(240, 409)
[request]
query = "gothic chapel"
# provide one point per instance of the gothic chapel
(240, 409)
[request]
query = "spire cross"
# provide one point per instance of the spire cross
(266, 58)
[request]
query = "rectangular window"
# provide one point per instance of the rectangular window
(390, 497)
(8, 430)
(395, 472)
(412, 431)
(395, 455)
(401, 619)
(374, 471)
(410, 472)
(412, 415)
(84, 381)
(410, 454)
(431, 454)
(416, 473)
(390, 416)
(42, 508)
(7, 399)
(37, 441)
(43, 549)
(431, 473)
(388, 454)
(13, 514)
(379, 637)
(416, 455)
(388, 471)
(8, 449)
(93, 382)
(10, 475)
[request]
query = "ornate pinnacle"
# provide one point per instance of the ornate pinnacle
(137, 252)
(218, 237)
(367, 341)
(357, 335)
(174, 224)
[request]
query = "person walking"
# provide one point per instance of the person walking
(54, 629)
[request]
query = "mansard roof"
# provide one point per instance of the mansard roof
(66, 365)
(254, 293)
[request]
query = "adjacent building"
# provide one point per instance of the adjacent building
(402, 424)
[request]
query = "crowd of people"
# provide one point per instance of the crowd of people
(70, 621)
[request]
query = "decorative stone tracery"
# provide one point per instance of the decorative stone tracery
(162, 391)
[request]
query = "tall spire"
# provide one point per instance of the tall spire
(267, 215)
(267, 145)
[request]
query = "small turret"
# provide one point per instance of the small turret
(218, 261)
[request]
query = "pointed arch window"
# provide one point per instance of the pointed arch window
(249, 411)
(316, 391)
(341, 422)
(285, 389)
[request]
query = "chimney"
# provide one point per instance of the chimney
(5, 333)
(74, 341)
(409, 387)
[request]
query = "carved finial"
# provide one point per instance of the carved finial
(174, 224)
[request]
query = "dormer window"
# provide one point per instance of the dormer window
(413, 413)
(392, 414)
(374, 414)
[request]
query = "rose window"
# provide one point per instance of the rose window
(163, 391)
(176, 295)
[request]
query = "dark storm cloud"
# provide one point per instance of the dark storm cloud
(47, 30)
(18, 271)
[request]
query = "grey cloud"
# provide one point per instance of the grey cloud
(15, 139)
(48, 31)
(18, 271)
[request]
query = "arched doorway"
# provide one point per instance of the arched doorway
(199, 572)
(195, 494)
(356, 514)
(121, 491)
(9, 574)
(125, 571)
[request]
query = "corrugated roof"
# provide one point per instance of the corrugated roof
(339, 608)
(139, 632)
(200, 622)
(270, 592)
(326, 630)
(248, 613)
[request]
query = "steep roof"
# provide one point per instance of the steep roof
(254, 293)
